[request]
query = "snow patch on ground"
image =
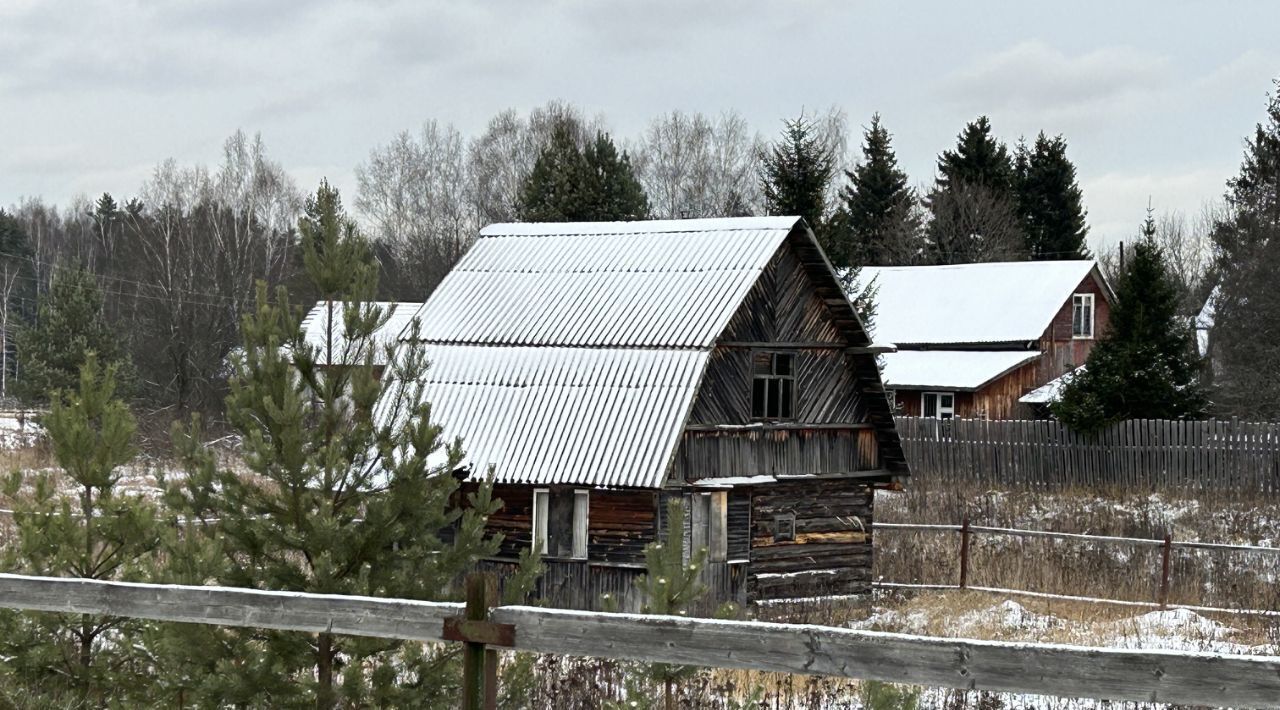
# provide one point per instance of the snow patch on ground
(19, 432)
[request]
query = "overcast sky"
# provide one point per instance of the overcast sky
(1154, 98)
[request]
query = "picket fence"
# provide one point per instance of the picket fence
(1141, 454)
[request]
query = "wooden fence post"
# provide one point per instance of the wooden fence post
(964, 552)
(479, 663)
(1163, 600)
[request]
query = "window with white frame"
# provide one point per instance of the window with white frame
(773, 388)
(541, 511)
(581, 516)
(938, 405)
(1082, 315)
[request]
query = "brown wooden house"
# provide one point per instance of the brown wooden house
(599, 370)
(974, 339)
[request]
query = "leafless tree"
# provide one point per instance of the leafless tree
(416, 193)
(971, 224)
(692, 166)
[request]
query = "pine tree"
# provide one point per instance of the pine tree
(1145, 366)
(348, 491)
(1247, 306)
(570, 184)
(80, 525)
(879, 215)
(671, 585)
(1050, 201)
(973, 205)
(69, 324)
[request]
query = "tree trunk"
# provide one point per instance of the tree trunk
(324, 672)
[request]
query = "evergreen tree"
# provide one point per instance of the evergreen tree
(879, 217)
(1145, 366)
(572, 184)
(348, 492)
(671, 585)
(973, 203)
(978, 159)
(1247, 305)
(795, 173)
(69, 324)
(1050, 201)
(96, 532)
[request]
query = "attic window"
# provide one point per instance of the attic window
(773, 388)
(1082, 315)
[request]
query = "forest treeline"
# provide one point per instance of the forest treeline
(174, 265)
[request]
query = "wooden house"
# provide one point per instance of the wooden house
(972, 340)
(599, 370)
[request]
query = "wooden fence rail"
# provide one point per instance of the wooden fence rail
(1166, 544)
(1138, 454)
(1044, 669)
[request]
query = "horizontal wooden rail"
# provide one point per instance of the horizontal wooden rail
(1016, 532)
(1044, 669)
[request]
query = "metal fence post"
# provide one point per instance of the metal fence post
(1163, 600)
(964, 552)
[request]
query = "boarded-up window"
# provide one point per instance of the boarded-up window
(710, 525)
(784, 527)
(773, 386)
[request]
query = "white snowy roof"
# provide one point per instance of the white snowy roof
(314, 327)
(1051, 391)
(971, 303)
(950, 369)
(571, 353)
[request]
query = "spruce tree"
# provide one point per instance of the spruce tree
(973, 204)
(1145, 366)
(347, 491)
(879, 215)
(572, 184)
(1050, 201)
(79, 523)
(1247, 305)
(795, 173)
(69, 324)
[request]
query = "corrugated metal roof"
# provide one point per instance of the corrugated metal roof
(971, 303)
(668, 283)
(315, 330)
(577, 416)
(950, 369)
(571, 353)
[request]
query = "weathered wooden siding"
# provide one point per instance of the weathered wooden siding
(619, 523)
(1063, 353)
(831, 552)
(998, 400)
(767, 452)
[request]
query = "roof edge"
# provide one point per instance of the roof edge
(548, 229)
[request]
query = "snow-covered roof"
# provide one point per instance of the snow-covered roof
(957, 370)
(1051, 391)
(571, 353)
(314, 327)
(972, 303)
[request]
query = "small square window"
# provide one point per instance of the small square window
(773, 386)
(938, 405)
(784, 527)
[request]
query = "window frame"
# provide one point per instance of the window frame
(1080, 304)
(775, 383)
(581, 524)
(938, 408)
(538, 538)
(784, 521)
